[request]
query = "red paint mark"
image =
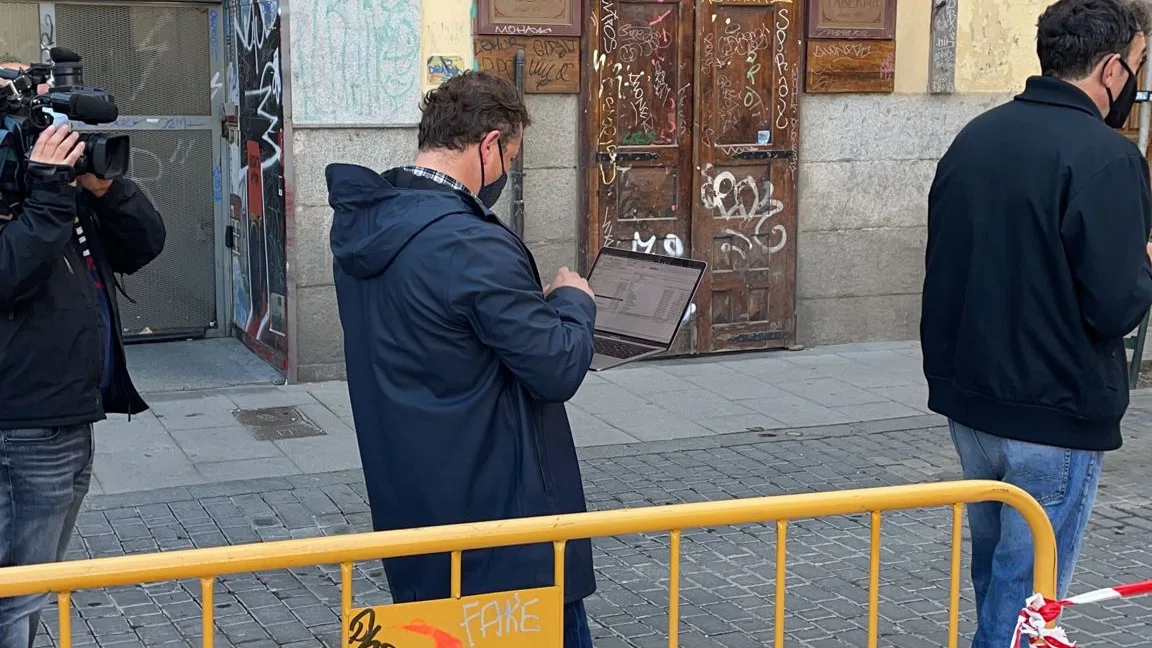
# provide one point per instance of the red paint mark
(660, 17)
(255, 180)
(439, 637)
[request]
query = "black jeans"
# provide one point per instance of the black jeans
(576, 631)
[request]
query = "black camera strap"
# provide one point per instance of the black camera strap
(40, 172)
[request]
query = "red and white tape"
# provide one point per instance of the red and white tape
(1039, 612)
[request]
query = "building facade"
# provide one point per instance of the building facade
(791, 152)
(863, 165)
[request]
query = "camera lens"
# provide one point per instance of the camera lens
(67, 75)
(105, 156)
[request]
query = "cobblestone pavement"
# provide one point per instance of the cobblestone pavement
(727, 573)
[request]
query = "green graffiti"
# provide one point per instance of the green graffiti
(639, 138)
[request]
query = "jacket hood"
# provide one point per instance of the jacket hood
(373, 219)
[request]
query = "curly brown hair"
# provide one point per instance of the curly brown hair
(465, 108)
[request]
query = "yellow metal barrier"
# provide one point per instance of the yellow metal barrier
(369, 627)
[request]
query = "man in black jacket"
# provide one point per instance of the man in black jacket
(61, 352)
(1037, 266)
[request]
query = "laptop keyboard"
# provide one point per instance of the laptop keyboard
(618, 348)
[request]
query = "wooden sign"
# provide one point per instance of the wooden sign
(522, 619)
(942, 64)
(528, 17)
(852, 18)
(851, 66)
(551, 64)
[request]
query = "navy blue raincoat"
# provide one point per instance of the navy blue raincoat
(458, 368)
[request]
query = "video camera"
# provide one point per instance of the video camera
(24, 114)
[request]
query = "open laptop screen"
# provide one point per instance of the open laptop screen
(642, 295)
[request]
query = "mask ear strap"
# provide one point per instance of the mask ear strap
(480, 149)
(480, 152)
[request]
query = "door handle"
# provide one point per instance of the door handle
(604, 156)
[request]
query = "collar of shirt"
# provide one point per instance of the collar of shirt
(436, 176)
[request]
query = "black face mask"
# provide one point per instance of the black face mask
(1120, 107)
(489, 194)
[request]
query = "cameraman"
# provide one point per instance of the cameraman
(62, 361)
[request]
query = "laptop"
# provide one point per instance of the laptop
(641, 300)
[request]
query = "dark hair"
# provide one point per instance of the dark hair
(1072, 36)
(465, 108)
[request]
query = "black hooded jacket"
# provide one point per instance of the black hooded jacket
(51, 342)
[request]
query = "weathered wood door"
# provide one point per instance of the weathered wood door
(744, 223)
(638, 130)
(690, 136)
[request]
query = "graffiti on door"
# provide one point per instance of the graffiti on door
(257, 183)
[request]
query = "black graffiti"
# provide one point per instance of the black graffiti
(364, 630)
(545, 74)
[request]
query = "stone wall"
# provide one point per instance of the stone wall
(866, 164)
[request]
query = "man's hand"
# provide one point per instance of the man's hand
(58, 146)
(565, 277)
(94, 185)
(1148, 249)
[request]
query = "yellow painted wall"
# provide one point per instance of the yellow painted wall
(913, 30)
(996, 44)
(446, 31)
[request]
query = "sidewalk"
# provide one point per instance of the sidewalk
(198, 437)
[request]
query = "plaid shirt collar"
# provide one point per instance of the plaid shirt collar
(436, 176)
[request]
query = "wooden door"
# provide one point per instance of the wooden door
(744, 220)
(638, 131)
(690, 138)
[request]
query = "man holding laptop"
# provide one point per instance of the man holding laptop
(459, 360)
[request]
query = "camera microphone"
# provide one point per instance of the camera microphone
(63, 55)
(91, 110)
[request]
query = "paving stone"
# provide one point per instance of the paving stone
(151, 466)
(651, 423)
(194, 412)
(247, 468)
(250, 398)
(208, 445)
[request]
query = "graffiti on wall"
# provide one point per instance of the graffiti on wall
(357, 62)
(257, 177)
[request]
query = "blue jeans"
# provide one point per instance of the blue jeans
(576, 631)
(1064, 481)
(44, 476)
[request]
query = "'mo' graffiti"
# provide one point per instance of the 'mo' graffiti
(730, 198)
(673, 246)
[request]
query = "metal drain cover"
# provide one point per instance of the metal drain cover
(277, 423)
